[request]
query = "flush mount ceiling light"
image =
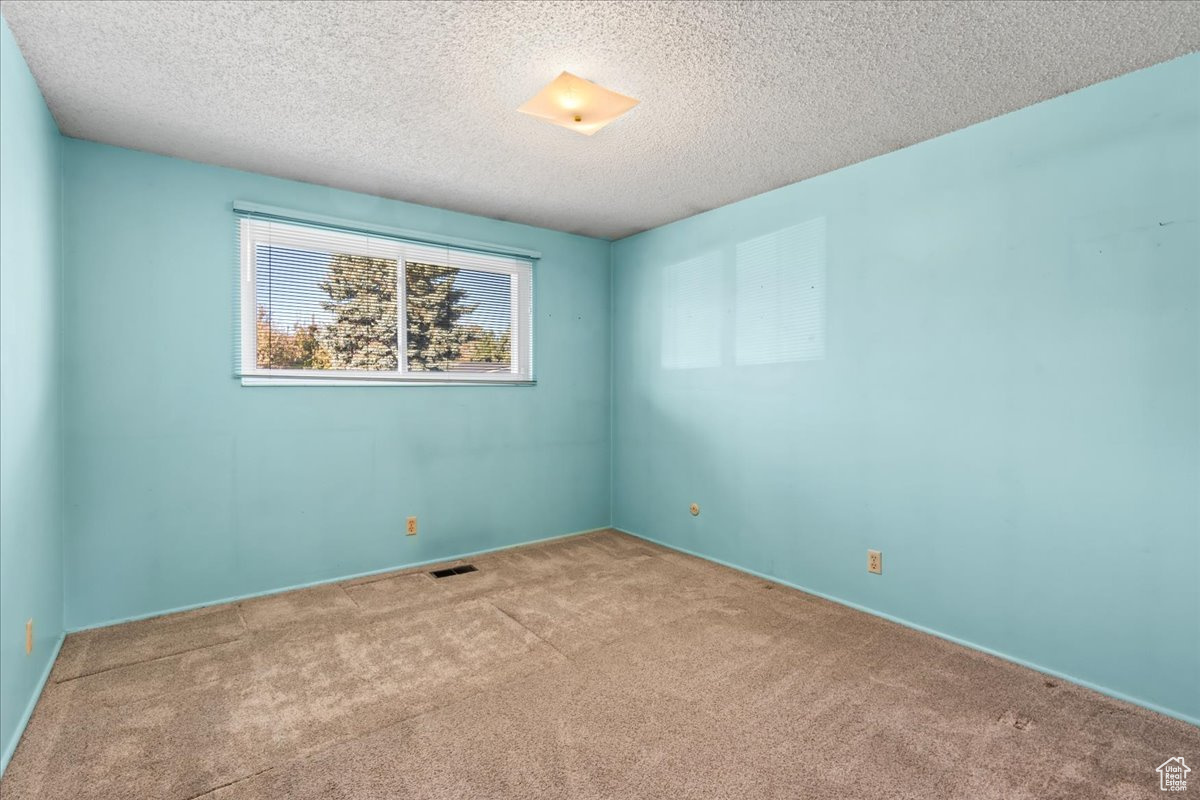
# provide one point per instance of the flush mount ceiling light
(575, 103)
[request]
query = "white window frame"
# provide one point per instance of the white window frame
(254, 232)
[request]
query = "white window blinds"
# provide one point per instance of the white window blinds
(327, 304)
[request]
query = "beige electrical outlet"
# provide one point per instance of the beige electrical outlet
(875, 562)
(412, 526)
(29, 636)
(695, 509)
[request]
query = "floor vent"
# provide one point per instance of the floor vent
(446, 573)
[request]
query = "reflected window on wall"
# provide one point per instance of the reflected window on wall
(691, 313)
(780, 305)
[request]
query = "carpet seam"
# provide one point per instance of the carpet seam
(387, 576)
(329, 745)
(531, 633)
(358, 607)
(354, 602)
(337, 742)
(150, 660)
(251, 776)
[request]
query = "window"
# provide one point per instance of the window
(320, 304)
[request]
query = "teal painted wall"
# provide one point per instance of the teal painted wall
(31, 523)
(1002, 392)
(185, 487)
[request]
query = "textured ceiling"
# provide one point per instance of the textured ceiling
(418, 100)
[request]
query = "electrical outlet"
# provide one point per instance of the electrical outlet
(412, 526)
(695, 509)
(29, 636)
(875, 562)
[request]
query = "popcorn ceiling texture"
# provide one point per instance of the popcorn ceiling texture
(417, 101)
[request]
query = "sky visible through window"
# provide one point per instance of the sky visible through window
(289, 287)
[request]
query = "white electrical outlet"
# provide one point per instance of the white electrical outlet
(411, 530)
(875, 562)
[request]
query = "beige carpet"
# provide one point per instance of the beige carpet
(592, 667)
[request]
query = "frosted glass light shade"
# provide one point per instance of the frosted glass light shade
(578, 104)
